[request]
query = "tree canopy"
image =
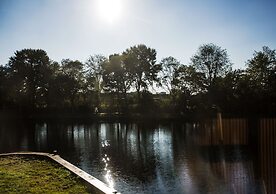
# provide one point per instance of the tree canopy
(169, 68)
(140, 62)
(212, 61)
(125, 83)
(29, 73)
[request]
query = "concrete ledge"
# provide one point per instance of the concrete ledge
(94, 182)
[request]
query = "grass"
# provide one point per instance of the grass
(19, 174)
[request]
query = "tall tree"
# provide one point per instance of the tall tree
(262, 69)
(30, 72)
(187, 84)
(94, 71)
(212, 61)
(140, 62)
(115, 75)
(94, 76)
(261, 72)
(188, 80)
(71, 80)
(117, 80)
(169, 66)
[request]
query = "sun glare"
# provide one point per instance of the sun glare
(110, 10)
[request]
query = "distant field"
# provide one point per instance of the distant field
(29, 175)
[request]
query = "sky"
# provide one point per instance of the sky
(76, 29)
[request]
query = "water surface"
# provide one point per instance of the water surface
(156, 157)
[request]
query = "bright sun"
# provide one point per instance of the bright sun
(110, 10)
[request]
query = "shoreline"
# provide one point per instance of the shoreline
(96, 185)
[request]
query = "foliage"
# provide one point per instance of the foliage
(29, 75)
(140, 62)
(261, 76)
(94, 72)
(262, 69)
(32, 82)
(188, 80)
(71, 78)
(94, 77)
(169, 68)
(212, 61)
(115, 75)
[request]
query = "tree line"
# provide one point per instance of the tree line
(123, 83)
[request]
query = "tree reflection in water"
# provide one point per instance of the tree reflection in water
(159, 158)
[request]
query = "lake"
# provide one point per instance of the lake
(159, 157)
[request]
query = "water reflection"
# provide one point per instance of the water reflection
(106, 159)
(41, 135)
(160, 158)
(267, 159)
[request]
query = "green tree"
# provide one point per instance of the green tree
(70, 81)
(187, 84)
(212, 61)
(262, 69)
(140, 62)
(188, 80)
(94, 71)
(169, 66)
(232, 91)
(117, 80)
(115, 75)
(29, 75)
(261, 72)
(94, 76)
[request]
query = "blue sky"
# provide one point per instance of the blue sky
(75, 29)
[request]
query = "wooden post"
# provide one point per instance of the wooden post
(219, 126)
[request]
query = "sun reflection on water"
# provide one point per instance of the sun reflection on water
(106, 159)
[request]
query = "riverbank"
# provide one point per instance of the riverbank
(20, 174)
(116, 116)
(120, 117)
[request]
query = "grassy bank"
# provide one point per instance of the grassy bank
(31, 175)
